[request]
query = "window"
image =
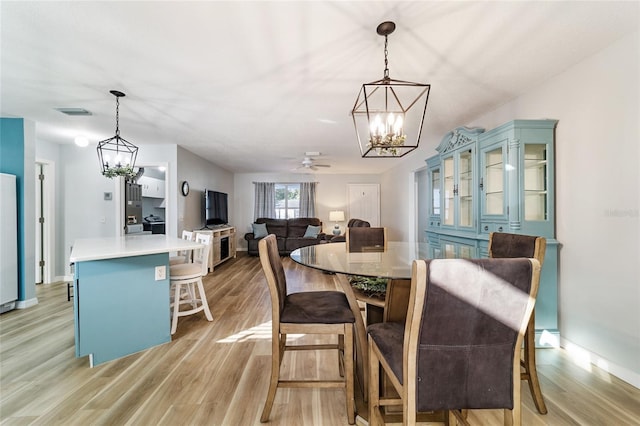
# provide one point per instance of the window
(287, 200)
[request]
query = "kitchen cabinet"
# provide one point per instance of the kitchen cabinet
(121, 294)
(152, 187)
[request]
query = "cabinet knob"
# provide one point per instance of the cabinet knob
(500, 229)
(486, 228)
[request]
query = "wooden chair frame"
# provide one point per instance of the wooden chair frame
(528, 362)
(345, 345)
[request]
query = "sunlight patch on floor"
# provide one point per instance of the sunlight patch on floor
(579, 356)
(259, 332)
(548, 339)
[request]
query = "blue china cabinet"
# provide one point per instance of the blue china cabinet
(501, 180)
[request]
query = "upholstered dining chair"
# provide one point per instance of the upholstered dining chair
(363, 239)
(505, 245)
(183, 256)
(459, 348)
(312, 312)
(185, 279)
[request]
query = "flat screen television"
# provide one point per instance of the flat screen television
(215, 208)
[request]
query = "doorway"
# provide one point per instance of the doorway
(152, 215)
(45, 222)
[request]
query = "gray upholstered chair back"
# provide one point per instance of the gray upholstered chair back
(471, 320)
(505, 245)
(363, 239)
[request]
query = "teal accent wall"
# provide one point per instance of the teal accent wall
(12, 162)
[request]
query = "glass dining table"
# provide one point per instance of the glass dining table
(393, 262)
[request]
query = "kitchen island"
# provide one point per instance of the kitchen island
(121, 294)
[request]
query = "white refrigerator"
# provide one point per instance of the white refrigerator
(8, 243)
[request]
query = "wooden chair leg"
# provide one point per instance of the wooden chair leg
(530, 373)
(277, 352)
(348, 372)
(341, 355)
(360, 334)
(203, 300)
(374, 386)
(176, 308)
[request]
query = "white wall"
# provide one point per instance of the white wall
(331, 194)
(597, 199)
(201, 175)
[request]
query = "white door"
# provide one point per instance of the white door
(364, 202)
(39, 225)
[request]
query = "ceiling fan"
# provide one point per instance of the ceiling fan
(307, 163)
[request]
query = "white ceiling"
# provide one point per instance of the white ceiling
(252, 86)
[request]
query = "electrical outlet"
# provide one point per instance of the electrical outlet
(161, 273)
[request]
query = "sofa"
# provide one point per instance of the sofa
(353, 223)
(289, 234)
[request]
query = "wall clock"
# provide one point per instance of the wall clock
(185, 188)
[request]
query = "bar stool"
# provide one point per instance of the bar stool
(185, 277)
(182, 256)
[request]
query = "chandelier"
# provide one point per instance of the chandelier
(386, 122)
(117, 156)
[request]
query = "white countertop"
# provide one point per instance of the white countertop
(127, 246)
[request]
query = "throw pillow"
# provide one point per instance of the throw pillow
(312, 231)
(259, 230)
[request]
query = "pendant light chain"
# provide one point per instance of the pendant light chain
(386, 61)
(117, 116)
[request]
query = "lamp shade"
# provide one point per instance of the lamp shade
(336, 216)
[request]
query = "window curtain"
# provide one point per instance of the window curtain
(265, 200)
(308, 199)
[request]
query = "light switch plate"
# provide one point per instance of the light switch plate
(161, 273)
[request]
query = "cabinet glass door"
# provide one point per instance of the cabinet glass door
(456, 250)
(447, 217)
(535, 182)
(493, 182)
(465, 188)
(435, 192)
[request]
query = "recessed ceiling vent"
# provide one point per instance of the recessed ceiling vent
(74, 111)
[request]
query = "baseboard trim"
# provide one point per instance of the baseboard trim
(24, 304)
(584, 356)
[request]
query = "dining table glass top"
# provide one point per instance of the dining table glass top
(393, 262)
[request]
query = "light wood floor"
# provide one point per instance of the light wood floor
(216, 373)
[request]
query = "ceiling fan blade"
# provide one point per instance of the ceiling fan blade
(322, 165)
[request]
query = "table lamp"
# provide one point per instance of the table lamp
(336, 216)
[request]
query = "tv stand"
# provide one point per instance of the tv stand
(223, 244)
